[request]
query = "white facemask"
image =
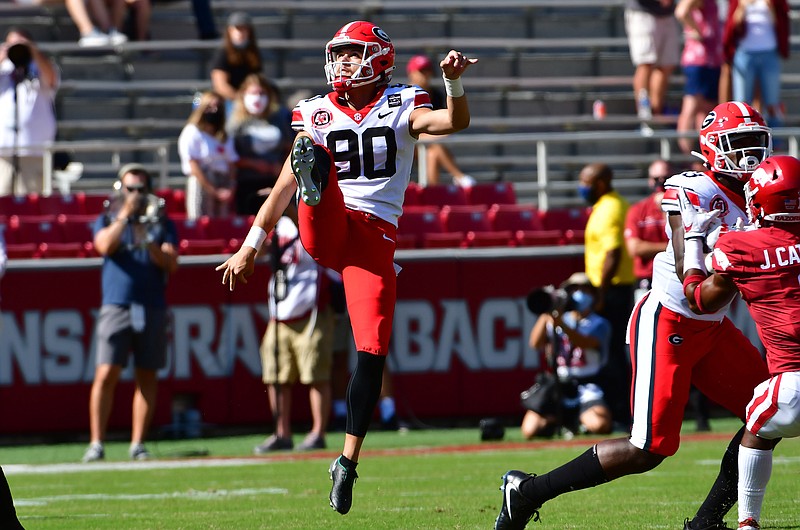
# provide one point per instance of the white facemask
(255, 103)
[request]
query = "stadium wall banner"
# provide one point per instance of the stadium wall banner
(459, 347)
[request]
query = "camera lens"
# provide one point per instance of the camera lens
(19, 54)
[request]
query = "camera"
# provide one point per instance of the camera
(20, 55)
(549, 299)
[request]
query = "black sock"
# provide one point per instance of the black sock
(363, 392)
(346, 462)
(580, 473)
(8, 515)
(723, 494)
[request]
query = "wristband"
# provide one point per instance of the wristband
(694, 278)
(698, 299)
(693, 257)
(453, 87)
(255, 237)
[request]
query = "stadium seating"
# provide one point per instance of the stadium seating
(500, 238)
(465, 218)
(565, 218)
(417, 222)
(56, 204)
(190, 247)
(192, 228)
(93, 203)
(489, 193)
(19, 205)
(62, 250)
(534, 238)
(232, 229)
(77, 228)
(442, 195)
(443, 240)
(412, 194)
(514, 217)
(33, 229)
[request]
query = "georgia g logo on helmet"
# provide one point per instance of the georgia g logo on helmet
(709, 119)
(378, 32)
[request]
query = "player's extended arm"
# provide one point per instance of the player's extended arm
(241, 265)
(705, 294)
(456, 116)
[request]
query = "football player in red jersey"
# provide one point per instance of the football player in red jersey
(672, 347)
(351, 163)
(764, 266)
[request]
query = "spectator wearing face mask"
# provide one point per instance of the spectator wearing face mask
(236, 59)
(208, 159)
(574, 341)
(261, 129)
(610, 269)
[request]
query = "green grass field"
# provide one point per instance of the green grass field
(434, 479)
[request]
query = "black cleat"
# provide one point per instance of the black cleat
(689, 524)
(516, 510)
(310, 164)
(343, 478)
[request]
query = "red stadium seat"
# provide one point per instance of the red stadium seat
(489, 193)
(78, 228)
(574, 237)
(19, 205)
(514, 217)
(192, 228)
(565, 218)
(175, 200)
(500, 238)
(62, 250)
(193, 247)
(34, 229)
(412, 195)
(529, 238)
(22, 250)
(443, 240)
(93, 203)
(418, 221)
(442, 194)
(465, 218)
(56, 204)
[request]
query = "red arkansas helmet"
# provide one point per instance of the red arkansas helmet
(773, 191)
(378, 56)
(734, 140)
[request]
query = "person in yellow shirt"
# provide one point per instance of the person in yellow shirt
(610, 269)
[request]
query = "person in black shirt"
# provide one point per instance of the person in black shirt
(236, 59)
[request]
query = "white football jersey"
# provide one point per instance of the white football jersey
(372, 148)
(704, 192)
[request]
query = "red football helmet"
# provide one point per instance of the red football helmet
(734, 139)
(773, 191)
(378, 56)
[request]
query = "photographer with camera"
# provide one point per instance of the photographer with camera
(138, 244)
(575, 341)
(28, 84)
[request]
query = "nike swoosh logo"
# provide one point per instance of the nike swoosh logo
(387, 238)
(509, 487)
(381, 116)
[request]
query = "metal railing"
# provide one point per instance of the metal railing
(541, 144)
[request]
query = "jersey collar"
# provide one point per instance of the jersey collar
(356, 115)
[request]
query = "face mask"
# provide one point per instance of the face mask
(255, 103)
(587, 194)
(582, 300)
(241, 45)
(213, 118)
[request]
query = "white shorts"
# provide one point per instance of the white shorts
(652, 40)
(774, 411)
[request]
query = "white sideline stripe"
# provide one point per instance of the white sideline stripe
(191, 494)
(49, 469)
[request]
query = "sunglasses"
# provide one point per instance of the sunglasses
(135, 189)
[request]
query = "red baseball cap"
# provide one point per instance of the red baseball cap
(419, 62)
